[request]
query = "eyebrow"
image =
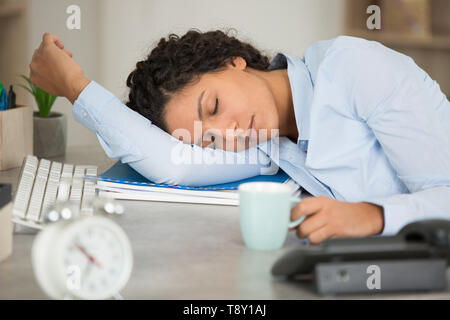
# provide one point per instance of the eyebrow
(200, 105)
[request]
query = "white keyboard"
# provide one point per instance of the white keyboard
(42, 183)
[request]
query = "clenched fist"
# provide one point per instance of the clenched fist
(53, 69)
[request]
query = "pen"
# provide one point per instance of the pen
(3, 98)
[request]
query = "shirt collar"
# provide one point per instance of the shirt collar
(302, 91)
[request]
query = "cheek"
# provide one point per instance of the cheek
(260, 99)
(266, 114)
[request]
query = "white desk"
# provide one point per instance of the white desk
(181, 251)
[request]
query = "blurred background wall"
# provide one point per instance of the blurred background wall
(115, 34)
(50, 16)
(129, 29)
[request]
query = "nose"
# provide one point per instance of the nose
(229, 129)
(235, 133)
(227, 137)
(232, 130)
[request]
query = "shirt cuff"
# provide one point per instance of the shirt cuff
(395, 214)
(90, 104)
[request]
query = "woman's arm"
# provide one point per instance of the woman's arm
(130, 137)
(126, 135)
(410, 117)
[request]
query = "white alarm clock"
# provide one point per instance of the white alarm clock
(88, 257)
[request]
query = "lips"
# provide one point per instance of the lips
(247, 138)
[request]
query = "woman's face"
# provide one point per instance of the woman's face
(232, 109)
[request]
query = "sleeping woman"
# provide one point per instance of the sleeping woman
(357, 125)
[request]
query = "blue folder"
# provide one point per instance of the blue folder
(123, 173)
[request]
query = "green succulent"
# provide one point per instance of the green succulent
(43, 99)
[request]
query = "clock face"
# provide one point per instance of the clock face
(94, 258)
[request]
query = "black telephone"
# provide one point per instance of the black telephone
(436, 233)
(419, 249)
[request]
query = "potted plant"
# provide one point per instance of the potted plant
(50, 128)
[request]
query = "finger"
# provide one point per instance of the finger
(68, 53)
(311, 224)
(307, 206)
(50, 37)
(320, 235)
(59, 43)
(309, 217)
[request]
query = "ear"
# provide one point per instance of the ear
(237, 63)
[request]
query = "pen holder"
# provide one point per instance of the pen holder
(16, 136)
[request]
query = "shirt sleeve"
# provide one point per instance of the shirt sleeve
(410, 117)
(126, 135)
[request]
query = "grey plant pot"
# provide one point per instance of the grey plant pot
(50, 135)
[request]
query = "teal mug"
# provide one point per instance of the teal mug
(265, 214)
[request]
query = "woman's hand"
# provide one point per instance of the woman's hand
(53, 69)
(329, 218)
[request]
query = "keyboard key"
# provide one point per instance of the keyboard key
(65, 182)
(77, 185)
(52, 188)
(88, 197)
(25, 186)
(34, 209)
(44, 183)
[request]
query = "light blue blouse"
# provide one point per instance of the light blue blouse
(372, 126)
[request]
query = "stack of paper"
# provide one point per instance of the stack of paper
(123, 182)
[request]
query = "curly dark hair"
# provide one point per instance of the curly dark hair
(179, 61)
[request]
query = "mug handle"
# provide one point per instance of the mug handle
(295, 223)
